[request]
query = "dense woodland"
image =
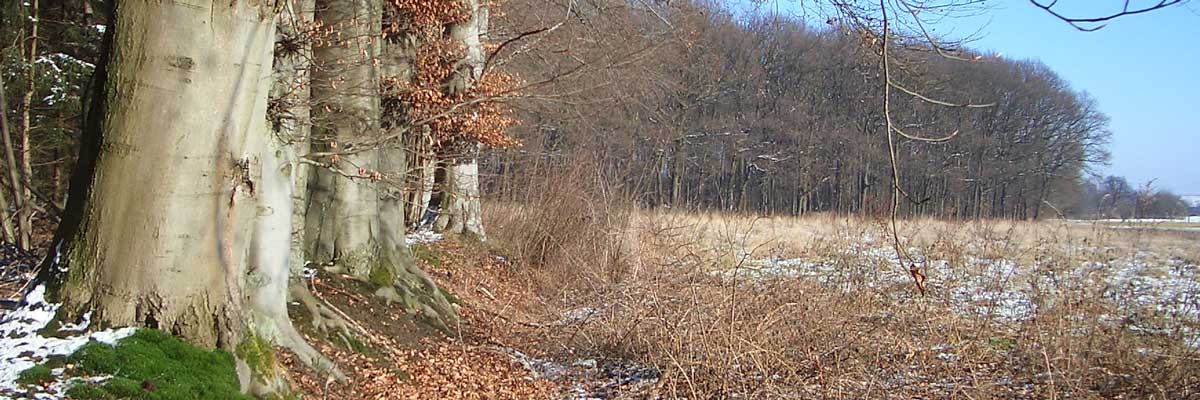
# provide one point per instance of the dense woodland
(688, 106)
(767, 114)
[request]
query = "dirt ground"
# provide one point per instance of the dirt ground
(497, 351)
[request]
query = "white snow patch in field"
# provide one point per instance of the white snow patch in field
(1140, 221)
(422, 237)
(577, 315)
(1152, 294)
(22, 347)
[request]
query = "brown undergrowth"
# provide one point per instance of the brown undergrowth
(392, 355)
(692, 297)
(17, 266)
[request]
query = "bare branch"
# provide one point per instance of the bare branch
(1076, 22)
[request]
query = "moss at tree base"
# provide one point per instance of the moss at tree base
(259, 355)
(153, 365)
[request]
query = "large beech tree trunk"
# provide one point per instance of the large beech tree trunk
(180, 210)
(356, 223)
(346, 88)
(460, 210)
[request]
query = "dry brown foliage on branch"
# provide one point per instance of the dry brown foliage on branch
(473, 115)
(424, 16)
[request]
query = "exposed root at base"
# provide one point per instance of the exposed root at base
(324, 319)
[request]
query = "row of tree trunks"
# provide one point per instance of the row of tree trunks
(194, 210)
(420, 178)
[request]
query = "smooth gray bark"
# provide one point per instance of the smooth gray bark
(359, 228)
(292, 94)
(460, 210)
(180, 211)
(166, 228)
(346, 90)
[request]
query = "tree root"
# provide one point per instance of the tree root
(418, 294)
(324, 319)
(278, 330)
(292, 340)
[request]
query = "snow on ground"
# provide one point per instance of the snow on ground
(587, 378)
(22, 346)
(1153, 294)
(422, 237)
(1193, 219)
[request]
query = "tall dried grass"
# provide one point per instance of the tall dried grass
(647, 282)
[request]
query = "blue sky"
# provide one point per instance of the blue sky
(1143, 70)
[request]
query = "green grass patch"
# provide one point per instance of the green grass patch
(153, 365)
(1002, 344)
(426, 255)
(36, 374)
(358, 346)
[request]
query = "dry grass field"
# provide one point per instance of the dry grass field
(726, 306)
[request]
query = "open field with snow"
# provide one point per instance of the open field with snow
(741, 306)
(1179, 224)
(996, 272)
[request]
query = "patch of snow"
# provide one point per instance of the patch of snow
(537, 367)
(588, 378)
(22, 346)
(577, 315)
(56, 60)
(422, 237)
(1188, 219)
(1151, 294)
(64, 73)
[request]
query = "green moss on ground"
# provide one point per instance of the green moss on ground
(427, 255)
(359, 347)
(36, 374)
(153, 365)
(449, 297)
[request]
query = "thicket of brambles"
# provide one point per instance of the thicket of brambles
(693, 107)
